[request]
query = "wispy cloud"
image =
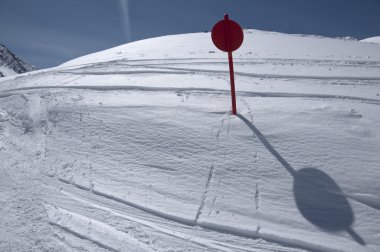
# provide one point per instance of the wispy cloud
(126, 21)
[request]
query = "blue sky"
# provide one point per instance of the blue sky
(49, 32)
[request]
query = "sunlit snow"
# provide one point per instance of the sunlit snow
(134, 148)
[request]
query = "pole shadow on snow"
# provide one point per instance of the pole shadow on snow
(318, 197)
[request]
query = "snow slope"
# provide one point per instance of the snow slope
(372, 40)
(134, 148)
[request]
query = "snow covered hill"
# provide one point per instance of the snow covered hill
(134, 148)
(372, 40)
(10, 64)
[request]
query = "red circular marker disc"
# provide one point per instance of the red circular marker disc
(227, 35)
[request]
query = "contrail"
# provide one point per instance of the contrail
(126, 24)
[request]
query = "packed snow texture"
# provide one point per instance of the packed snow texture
(134, 148)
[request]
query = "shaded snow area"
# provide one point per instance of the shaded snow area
(134, 148)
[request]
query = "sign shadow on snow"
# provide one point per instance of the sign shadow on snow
(318, 197)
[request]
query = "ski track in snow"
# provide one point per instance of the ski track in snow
(207, 241)
(204, 195)
(11, 92)
(178, 70)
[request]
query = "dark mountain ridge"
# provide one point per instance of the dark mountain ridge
(11, 61)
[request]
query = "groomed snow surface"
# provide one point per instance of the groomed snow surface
(134, 148)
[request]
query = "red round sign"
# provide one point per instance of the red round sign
(227, 35)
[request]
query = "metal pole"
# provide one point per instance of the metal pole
(231, 64)
(232, 80)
